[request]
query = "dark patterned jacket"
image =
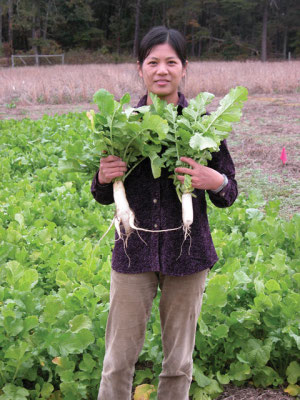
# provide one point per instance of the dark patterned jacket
(156, 206)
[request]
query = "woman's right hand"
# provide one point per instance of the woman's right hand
(111, 167)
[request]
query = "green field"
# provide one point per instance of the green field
(54, 281)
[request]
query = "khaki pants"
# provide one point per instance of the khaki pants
(131, 297)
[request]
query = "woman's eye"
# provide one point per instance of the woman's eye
(152, 62)
(172, 62)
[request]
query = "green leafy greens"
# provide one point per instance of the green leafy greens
(54, 280)
(128, 134)
(195, 133)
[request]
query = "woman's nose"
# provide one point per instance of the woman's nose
(162, 68)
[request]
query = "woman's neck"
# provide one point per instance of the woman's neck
(174, 98)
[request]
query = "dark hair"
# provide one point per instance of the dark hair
(161, 35)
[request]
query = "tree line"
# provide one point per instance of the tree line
(214, 29)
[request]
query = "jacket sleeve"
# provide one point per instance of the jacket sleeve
(102, 193)
(222, 162)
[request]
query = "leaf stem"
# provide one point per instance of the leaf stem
(3, 376)
(129, 143)
(110, 131)
(132, 168)
(17, 369)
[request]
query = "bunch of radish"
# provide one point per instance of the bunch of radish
(130, 135)
(134, 134)
(196, 134)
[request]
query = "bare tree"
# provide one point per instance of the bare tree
(10, 26)
(264, 32)
(1, 12)
(264, 36)
(36, 29)
(137, 28)
(46, 20)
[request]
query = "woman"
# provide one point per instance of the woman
(158, 259)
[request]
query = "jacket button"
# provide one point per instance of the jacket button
(154, 201)
(155, 226)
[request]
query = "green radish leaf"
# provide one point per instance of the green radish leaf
(17, 351)
(201, 101)
(239, 371)
(199, 142)
(88, 363)
(141, 375)
(229, 109)
(293, 372)
(30, 322)
(29, 279)
(80, 322)
(125, 99)
(47, 389)
(75, 343)
(156, 165)
(69, 165)
(156, 124)
(158, 104)
(104, 101)
(200, 378)
(14, 392)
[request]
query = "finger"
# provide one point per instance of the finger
(180, 178)
(113, 163)
(113, 170)
(195, 182)
(111, 158)
(189, 161)
(115, 175)
(183, 170)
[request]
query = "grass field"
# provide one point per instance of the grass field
(76, 83)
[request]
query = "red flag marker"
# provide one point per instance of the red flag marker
(283, 156)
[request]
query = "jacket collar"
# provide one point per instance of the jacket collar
(182, 101)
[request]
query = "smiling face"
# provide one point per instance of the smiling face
(162, 71)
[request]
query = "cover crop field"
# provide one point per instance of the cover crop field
(54, 281)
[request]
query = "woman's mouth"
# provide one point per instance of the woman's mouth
(162, 82)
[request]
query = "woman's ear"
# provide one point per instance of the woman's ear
(184, 69)
(139, 69)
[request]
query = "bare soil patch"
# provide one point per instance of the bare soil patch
(250, 393)
(269, 124)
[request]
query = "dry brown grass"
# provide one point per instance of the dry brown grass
(61, 84)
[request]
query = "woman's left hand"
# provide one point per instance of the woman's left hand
(202, 177)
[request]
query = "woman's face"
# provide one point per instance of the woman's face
(162, 71)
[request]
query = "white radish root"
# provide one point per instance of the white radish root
(187, 213)
(125, 216)
(123, 212)
(187, 219)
